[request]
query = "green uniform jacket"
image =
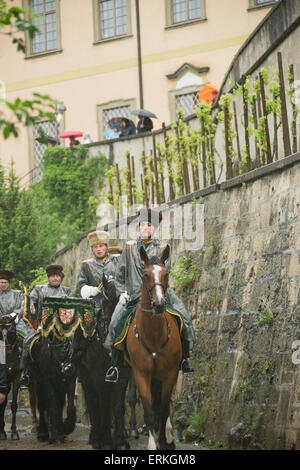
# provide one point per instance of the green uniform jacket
(12, 301)
(91, 274)
(129, 279)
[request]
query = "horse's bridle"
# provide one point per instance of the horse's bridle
(149, 292)
(143, 344)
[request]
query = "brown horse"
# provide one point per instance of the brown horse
(154, 347)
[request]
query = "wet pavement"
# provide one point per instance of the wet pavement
(77, 440)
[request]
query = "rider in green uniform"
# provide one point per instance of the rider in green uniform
(11, 301)
(53, 288)
(89, 284)
(128, 284)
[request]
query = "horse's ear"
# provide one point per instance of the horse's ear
(144, 255)
(165, 254)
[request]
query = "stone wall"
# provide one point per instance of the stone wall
(245, 303)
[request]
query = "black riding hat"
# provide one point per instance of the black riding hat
(5, 274)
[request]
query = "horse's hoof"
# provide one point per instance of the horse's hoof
(34, 429)
(15, 436)
(145, 430)
(107, 447)
(3, 436)
(124, 446)
(96, 446)
(134, 433)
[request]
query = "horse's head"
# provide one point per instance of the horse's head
(8, 328)
(155, 278)
(110, 296)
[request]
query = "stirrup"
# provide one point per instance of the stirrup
(185, 367)
(112, 375)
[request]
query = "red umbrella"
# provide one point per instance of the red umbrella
(66, 134)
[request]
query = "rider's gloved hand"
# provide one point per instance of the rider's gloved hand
(89, 291)
(124, 298)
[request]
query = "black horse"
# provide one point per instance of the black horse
(53, 388)
(104, 400)
(13, 346)
(125, 388)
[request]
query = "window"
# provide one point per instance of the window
(112, 19)
(184, 11)
(42, 128)
(261, 3)
(110, 113)
(45, 20)
(113, 109)
(45, 16)
(187, 102)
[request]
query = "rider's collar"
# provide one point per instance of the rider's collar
(154, 240)
(146, 242)
(101, 260)
(54, 287)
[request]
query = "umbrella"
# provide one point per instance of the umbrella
(66, 134)
(144, 112)
(117, 120)
(208, 93)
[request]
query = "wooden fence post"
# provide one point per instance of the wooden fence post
(294, 108)
(203, 152)
(264, 106)
(169, 164)
(246, 125)
(237, 133)
(129, 180)
(284, 116)
(156, 170)
(229, 172)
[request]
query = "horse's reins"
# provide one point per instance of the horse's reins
(143, 344)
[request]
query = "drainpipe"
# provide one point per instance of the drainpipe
(139, 53)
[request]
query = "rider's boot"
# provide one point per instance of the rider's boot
(185, 366)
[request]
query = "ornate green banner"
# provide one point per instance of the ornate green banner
(64, 315)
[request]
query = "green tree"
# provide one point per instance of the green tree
(26, 250)
(69, 183)
(9, 199)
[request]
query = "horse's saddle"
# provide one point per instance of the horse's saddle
(120, 342)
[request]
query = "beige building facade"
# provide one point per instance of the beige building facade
(104, 58)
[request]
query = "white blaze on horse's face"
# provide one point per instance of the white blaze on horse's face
(158, 289)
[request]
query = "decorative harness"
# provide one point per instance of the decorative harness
(153, 354)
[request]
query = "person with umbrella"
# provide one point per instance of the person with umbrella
(127, 128)
(145, 123)
(72, 136)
